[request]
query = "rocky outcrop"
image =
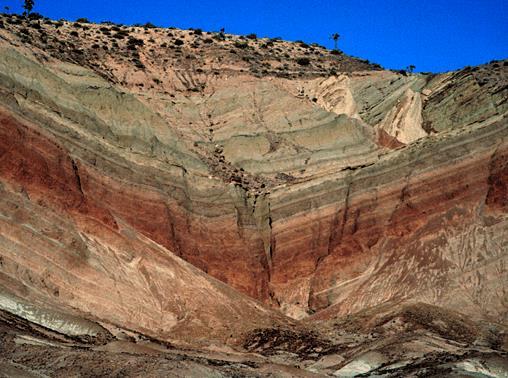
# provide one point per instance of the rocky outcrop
(310, 191)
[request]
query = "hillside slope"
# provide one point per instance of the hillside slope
(139, 167)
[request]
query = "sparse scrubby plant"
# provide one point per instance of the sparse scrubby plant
(252, 36)
(121, 34)
(35, 16)
(241, 45)
(303, 61)
(135, 42)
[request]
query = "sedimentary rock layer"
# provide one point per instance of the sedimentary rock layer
(314, 191)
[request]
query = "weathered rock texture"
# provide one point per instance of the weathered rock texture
(128, 161)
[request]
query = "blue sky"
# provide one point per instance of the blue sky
(433, 35)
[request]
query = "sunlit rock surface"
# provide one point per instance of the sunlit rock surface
(201, 194)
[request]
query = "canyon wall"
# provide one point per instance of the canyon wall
(311, 193)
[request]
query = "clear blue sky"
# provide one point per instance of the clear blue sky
(434, 35)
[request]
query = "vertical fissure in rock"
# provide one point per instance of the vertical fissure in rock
(271, 245)
(346, 207)
(78, 178)
(335, 238)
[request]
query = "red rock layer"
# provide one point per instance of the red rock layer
(313, 252)
(49, 174)
(386, 140)
(44, 169)
(335, 246)
(497, 196)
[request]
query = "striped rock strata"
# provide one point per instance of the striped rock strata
(332, 187)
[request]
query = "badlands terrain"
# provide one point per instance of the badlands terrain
(188, 203)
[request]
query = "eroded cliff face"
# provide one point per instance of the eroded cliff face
(331, 187)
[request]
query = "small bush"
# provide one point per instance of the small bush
(35, 16)
(121, 34)
(74, 33)
(198, 32)
(252, 36)
(241, 45)
(179, 42)
(149, 25)
(303, 61)
(137, 63)
(83, 20)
